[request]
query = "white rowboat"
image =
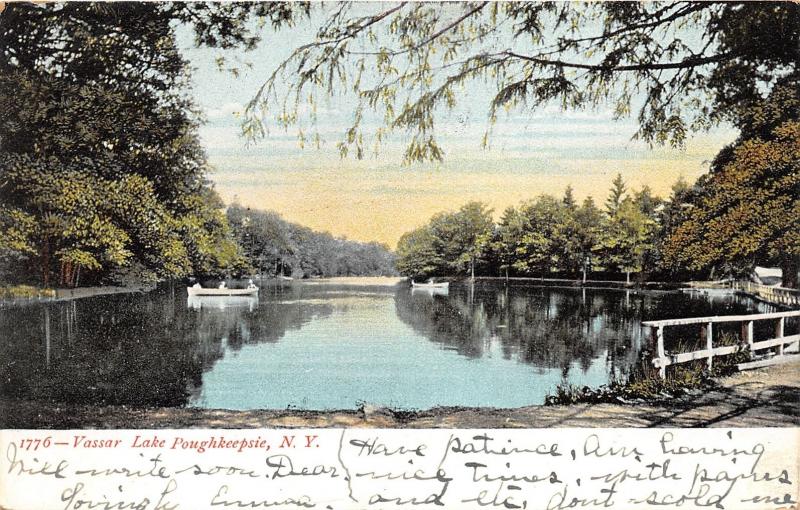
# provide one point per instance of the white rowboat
(200, 291)
(442, 285)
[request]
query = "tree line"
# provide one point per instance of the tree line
(544, 235)
(274, 246)
(737, 216)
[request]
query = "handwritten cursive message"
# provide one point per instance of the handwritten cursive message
(356, 469)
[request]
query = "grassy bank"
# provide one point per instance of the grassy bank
(18, 293)
(25, 292)
(645, 385)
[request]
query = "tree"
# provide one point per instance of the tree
(626, 239)
(506, 242)
(417, 253)
(97, 117)
(616, 195)
(747, 210)
(569, 199)
(648, 203)
(685, 66)
(271, 243)
(472, 227)
(544, 243)
(451, 243)
(589, 224)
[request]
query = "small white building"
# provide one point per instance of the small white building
(769, 275)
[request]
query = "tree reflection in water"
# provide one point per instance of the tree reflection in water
(544, 327)
(551, 327)
(157, 349)
(132, 349)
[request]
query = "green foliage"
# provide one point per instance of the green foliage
(451, 243)
(417, 253)
(18, 230)
(538, 237)
(747, 210)
(25, 291)
(102, 169)
(272, 245)
(644, 383)
(627, 237)
(616, 195)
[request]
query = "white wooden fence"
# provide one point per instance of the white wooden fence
(663, 359)
(780, 295)
(777, 295)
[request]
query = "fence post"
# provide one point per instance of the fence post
(747, 335)
(710, 343)
(662, 368)
(779, 333)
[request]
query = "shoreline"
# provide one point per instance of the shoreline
(368, 281)
(67, 294)
(763, 397)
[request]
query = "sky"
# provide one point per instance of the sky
(378, 198)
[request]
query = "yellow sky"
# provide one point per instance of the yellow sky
(380, 200)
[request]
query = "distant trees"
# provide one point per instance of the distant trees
(626, 237)
(451, 243)
(543, 235)
(275, 246)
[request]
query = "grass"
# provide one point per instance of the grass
(25, 291)
(644, 383)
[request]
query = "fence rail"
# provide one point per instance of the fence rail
(780, 295)
(777, 295)
(663, 359)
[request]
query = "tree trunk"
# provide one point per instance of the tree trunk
(46, 264)
(627, 277)
(789, 266)
(506, 276)
(472, 268)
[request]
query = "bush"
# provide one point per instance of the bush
(644, 383)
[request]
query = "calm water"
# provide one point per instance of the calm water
(317, 346)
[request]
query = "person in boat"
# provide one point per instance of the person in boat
(250, 284)
(197, 286)
(222, 285)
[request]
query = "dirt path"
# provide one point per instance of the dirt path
(768, 397)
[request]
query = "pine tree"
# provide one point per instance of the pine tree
(617, 195)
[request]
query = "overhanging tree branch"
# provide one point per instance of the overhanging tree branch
(689, 62)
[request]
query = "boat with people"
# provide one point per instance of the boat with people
(222, 290)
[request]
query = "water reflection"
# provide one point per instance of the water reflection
(324, 346)
(138, 350)
(543, 327)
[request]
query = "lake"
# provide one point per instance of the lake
(331, 346)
